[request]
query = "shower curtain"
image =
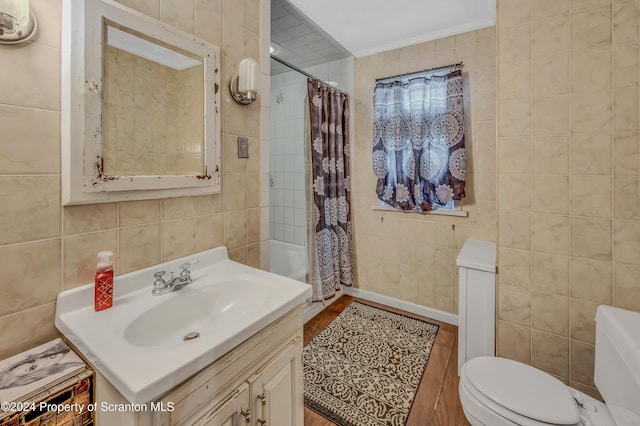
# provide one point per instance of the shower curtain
(329, 242)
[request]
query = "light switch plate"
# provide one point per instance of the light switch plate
(243, 147)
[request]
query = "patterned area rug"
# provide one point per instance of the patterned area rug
(365, 367)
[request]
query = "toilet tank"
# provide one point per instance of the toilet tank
(617, 365)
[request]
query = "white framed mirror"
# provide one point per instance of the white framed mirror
(140, 107)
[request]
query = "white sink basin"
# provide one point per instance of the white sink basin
(139, 344)
(200, 311)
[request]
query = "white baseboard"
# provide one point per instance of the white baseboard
(405, 306)
(313, 309)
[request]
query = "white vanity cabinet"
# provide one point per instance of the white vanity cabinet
(259, 383)
(231, 412)
(275, 399)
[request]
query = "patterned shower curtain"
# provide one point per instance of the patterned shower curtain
(329, 243)
(418, 142)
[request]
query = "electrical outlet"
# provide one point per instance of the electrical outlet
(243, 147)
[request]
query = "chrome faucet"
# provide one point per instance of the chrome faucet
(162, 286)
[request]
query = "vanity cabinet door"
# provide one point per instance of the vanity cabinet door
(277, 390)
(233, 411)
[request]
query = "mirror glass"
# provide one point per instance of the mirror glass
(152, 106)
(140, 107)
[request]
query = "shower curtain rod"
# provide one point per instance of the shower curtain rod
(451, 67)
(293, 67)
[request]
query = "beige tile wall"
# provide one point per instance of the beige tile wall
(45, 248)
(568, 170)
(411, 256)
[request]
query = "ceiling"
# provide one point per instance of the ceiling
(298, 40)
(366, 27)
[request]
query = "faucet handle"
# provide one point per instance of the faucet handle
(159, 285)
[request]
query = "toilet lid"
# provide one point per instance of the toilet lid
(523, 389)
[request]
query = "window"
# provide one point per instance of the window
(418, 143)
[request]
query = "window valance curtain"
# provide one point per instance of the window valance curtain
(418, 142)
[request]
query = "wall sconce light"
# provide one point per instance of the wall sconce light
(245, 85)
(17, 23)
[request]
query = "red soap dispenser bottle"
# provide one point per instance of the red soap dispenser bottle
(104, 282)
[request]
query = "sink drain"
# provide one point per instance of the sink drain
(191, 336)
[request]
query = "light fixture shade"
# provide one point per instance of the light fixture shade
(17, 9)
(248, 76)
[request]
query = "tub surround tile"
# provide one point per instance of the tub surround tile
(591, 112)
(515, 81)
(514, 342)
(551, 314)
(514, 305)
(591, 280)
(208, 204)
(515, 267)
(148, 7)
(626, 107)
(178, 14)
(178, 238)
(239, 255)
(583, 321)
(551, 36)
(550, 75)
(591, 238)
(591, 70)
(550, 273)
(627, 286)
(253, 255)
(551, 154)
(208, 24)
(513, 155)
(90, 218)
(591, 196)
(626, 198)
(27, 329)
(31, 275)
(80, 256)
(625, 22)
(591, 154)
(626, 160)
(235, 229)
(550, 233)
(550, 194)
(514, 229)
(29, 149)
(626, 242)
(30, 77)
(139, 212)
(209, 232)
(178, 208)
(139, 247)
(546, 8)
(591, 29)
(551, 115)
(582, 362)
(578, 5)
(626, 65)
(30, 208)
(550, 353)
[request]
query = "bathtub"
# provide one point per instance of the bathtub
(288, 259)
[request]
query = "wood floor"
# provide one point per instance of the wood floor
(436, 402)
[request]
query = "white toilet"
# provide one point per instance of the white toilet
(498, 391)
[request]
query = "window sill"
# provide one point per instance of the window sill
(459, 213)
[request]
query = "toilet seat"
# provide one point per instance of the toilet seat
(492, 387)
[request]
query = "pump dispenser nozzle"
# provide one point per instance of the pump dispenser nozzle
(105, 262)
(104, 282)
